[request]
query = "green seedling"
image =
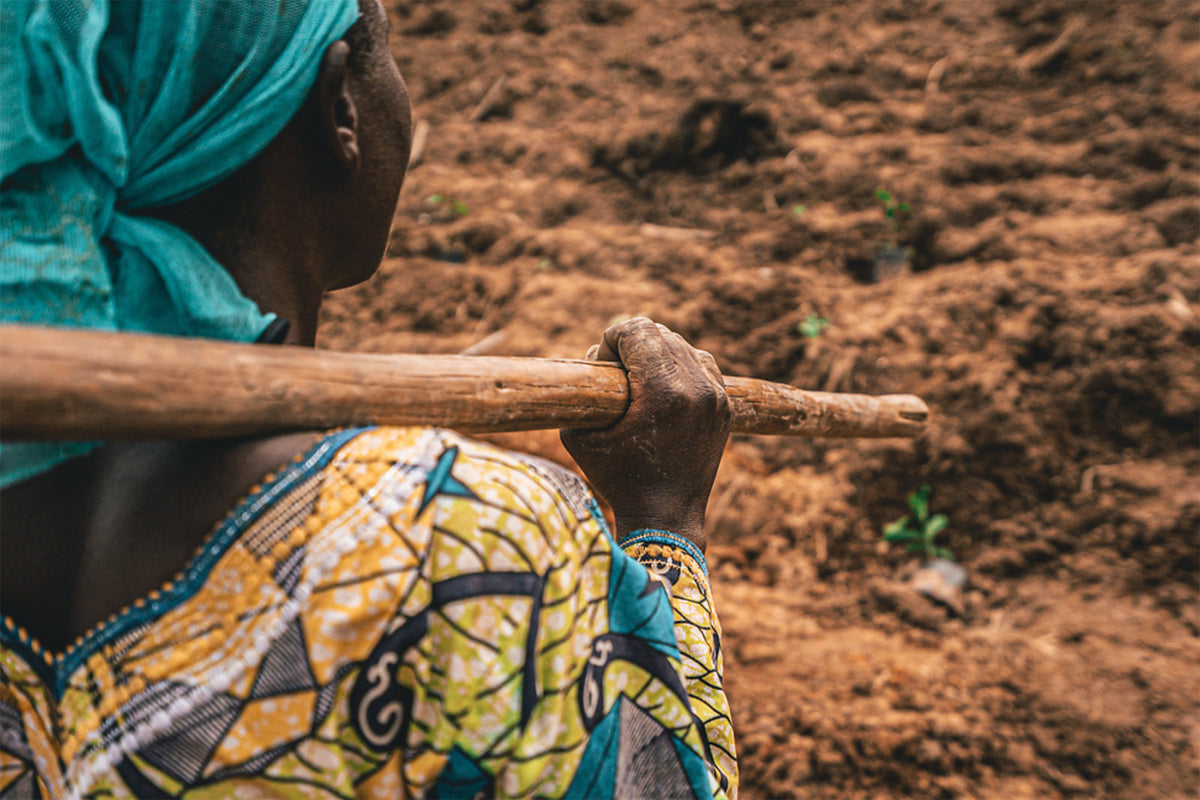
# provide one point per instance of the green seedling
(447, 205)
(797, 211)
(918, 528)
(812, 326)
(891, 206)
(893, 209)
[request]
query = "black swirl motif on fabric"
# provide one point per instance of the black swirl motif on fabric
(381, 707)
(612, 647)
(667, 569)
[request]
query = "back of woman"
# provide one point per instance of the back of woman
(353, 613)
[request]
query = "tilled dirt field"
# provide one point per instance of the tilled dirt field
(1049, 158)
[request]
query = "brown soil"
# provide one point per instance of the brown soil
(1050, 154)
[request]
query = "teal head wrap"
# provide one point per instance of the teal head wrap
(108, 108)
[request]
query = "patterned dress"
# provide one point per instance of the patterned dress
(401, 612)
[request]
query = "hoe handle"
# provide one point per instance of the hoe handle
(72, 384)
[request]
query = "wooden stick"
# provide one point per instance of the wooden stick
(672, 234)
(490, 100)
(71, 384)
(420, 138)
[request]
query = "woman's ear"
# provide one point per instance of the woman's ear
(336, 112)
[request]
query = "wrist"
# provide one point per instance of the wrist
(691, 530)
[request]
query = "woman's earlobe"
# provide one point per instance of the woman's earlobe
(337, 114)
(347, 134)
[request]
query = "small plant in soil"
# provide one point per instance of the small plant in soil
(812, 326)
(918, 529)
(894, 210)
(446, 208)
(891, 259)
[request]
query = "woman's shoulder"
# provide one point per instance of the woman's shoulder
(435, 463)
(415, 476)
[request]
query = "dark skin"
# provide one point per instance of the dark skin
(656, 466)
(309, 214)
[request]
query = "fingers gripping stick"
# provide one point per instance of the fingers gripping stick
(656, 465)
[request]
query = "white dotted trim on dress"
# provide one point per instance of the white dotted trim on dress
(340, 537)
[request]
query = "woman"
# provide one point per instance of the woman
(385, 611)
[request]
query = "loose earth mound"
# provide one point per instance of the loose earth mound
(1037, 282)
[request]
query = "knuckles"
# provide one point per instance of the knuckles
(693, 396)
(682, 382)
(712, 400)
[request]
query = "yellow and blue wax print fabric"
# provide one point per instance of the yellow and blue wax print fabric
(401, 612)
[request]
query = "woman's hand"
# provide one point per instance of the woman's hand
(655, 467)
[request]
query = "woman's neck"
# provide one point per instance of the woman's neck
(278, 253)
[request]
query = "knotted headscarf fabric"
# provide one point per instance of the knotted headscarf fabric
(108, 108)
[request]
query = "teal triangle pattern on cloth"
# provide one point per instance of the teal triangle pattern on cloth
(441, 481)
